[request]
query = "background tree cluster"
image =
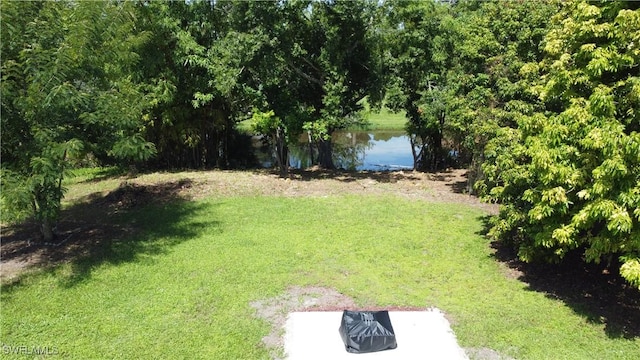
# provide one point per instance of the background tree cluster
(538, 99)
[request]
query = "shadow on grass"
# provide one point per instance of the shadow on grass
(105, 173)
(595, 291)
(457, 184)
(317, 173)
(132, 223)
(453, 179)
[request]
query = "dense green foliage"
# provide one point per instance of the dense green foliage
(540, 99)
(66, 91)
(568, 176)
(490, 42)
(417, 66)
(266, 123)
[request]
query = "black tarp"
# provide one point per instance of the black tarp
(367, 331)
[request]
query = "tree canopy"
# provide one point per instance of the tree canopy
(568, 175)
(66, 91)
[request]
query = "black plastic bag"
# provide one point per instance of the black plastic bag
(367, 331)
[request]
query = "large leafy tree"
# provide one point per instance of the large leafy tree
(568, 177)
(65, 93)
(284, 91)
(347, 65)
(489, 42)
(417, 65)
(324, 61)
(189, 86)
(261, 50)
(308, 62)
(455, 72)
(224, 62)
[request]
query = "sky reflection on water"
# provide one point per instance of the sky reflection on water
(357, 150)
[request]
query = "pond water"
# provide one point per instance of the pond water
(355, 150)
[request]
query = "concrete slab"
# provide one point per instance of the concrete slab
(420, 335)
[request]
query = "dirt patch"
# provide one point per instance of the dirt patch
(444, 187)
(130, 194)
(275, 310)
(485, 354)
(83, 228)
(310, 298)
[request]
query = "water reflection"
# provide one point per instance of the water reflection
(355, 150)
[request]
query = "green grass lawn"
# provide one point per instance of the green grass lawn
(386, 120)
(181, 284)
(383, 119)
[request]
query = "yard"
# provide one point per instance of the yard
(207, 264)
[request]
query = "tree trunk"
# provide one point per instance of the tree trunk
(311, 157)
(46, 228)
(282, 153)
(436, 150)
(325, 154)
(412, 141)
(437, 141)
(421, 159)
(475, 172)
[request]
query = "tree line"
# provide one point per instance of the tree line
(538, 99)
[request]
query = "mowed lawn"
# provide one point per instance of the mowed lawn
(180, 285)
